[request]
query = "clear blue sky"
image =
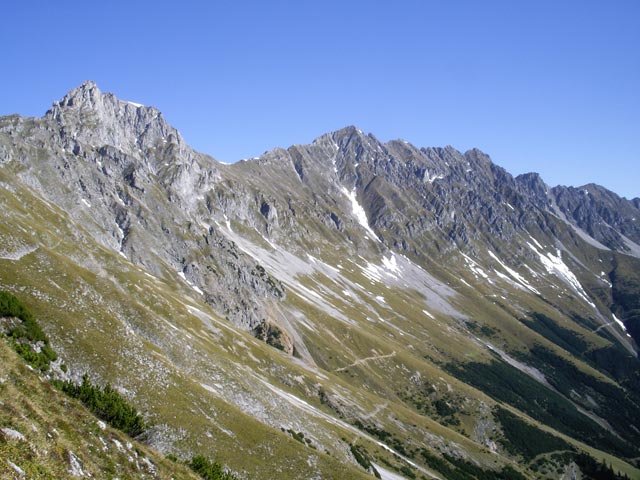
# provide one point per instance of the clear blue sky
(546, 86)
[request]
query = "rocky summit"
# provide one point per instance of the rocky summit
(348, 308)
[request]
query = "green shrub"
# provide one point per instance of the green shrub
(592, 469)
(614, 404)
(27, 333)
(106, 403)
(453, 468)
(507, 384)
(361, 456)
(10, 306)
(209, 470)
(407, 472)
(525, 439)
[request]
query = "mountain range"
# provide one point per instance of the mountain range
(344, 309)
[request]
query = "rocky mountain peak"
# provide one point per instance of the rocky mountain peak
(354, 141)
(93, 117)
(86, 95)
(532, 186)
(607, 217)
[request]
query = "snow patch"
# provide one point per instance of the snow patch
(359, 212)
(183, 277)
(605, 279)
(555, 266)
(211, 389)
(515, 275)
(536, 242)
(16, 468)
(17, 254)
(227, 223)
(389, 268)
(320, 263)
(137, 105)
(430, 179)
(475, 268)
(372, 272)
(86, 203)
(391, 263)
(619, 322)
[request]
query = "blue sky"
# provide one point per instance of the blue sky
(546, 86)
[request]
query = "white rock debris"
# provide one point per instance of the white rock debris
(16, 468)
(75, 467)
(12, 434)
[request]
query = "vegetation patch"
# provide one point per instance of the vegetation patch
(569, 340)
(625, 280)
(362, 457)
(485, 330)
(427, 401)
(106, 403)
(522, 438)
(612, 360)
(606, 399)
(24, 333)
(272, 335)
(299, 436)
(508, 384)
(453, 468)
(209, 470)
(593, 470)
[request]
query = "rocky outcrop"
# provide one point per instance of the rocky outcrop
(125, 174)
(608, 218)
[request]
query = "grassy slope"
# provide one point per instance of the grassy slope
(150, 336)
(56, 428)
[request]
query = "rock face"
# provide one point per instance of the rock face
(122, 171)
(357, 259)
(88, 116)
(611, 220)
